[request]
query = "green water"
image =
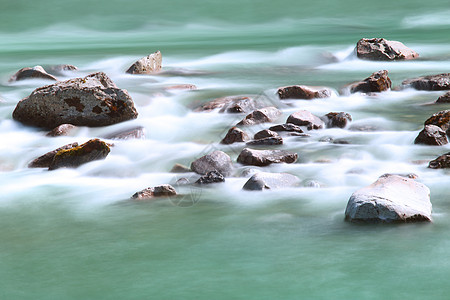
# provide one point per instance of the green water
(74, 235)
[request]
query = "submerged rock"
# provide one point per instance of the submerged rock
(263, 115)
(287, 127)
(444, 98)
(265, 157)
(337, 119)
(235, 135)
(63, 129)
(377, 82)
(45, 160)
(306, 118)
(90, 101)
(437, 82)
(230, 104)
(382, 49)
(74, 157)
(431, 135)
(442, 162)
(216, 161)
(303, 92)
(32, 73)
(147, 65)
(179, 168)
(263, 180)
(211, 177)
(60, 69)
(164, 190)
(391, 198)
(137, 132)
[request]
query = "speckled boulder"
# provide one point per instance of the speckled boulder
(382, 49)
(147, 65)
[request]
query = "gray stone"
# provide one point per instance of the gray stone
(382, 49)
(305, 118)
(391, 198)
(263, 115)
(303, 92)
(437, 82)
(431, 135)
(147, 65)
(36, 72)
(263, 180)
(164, 190)
(90, 101)
(216, 161)
(265, 157)
(230, 104)
(211, 177)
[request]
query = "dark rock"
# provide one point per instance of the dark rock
(263, 115)
(442, 162)
(74, 157)
(337, 119)
(268, 141)
(440, 119)
(147, 65)
(377, 82)
(164, 190)
(431, 135)
(230, 104)
(382, 49)
(32, 73)
(211, 177)
(391, 198)
(45, 160)
(305, 118)
(262, 181)
(303, 92)
(90, 101)
(126, 134)
(179, 168)
(429, 83)
(444, 98)
(235, 135)
(216, 161)
(287, 127)
(265, 157)
(63, 129)
(265, 134)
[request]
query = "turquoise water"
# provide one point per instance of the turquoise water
(73, 234)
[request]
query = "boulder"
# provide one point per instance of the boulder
(179, 168)
(432, 135)
(211, 177)
(265, 134)
(391, 198)
(442, 162)
(45, 160)
(337, 119)
(440, 119)
(147, 65)
(263, 180)
(444, 98)
(268, 141)
(216, 161)
(90, 101)
(230, 104)
(235, 135)
(303, 92)
(305, 118)
(287, 127)
(63, 129)
(382, 49)
(377, 82)
(137, 132)
(74, 157)
(164, 190)
(36, 72)
(263, 115)
(265, 157)
(437, 82)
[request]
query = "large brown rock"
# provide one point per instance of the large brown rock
(45, 160)
(147, 65)
(392, 198)
(235, 135)
(306, 118)
(437, 82)
(265, 157)
(230, 104)
(382, 49)
(442, 162)
(440, 119)
(263, 115)
(431, 135)
(216, 161)
(164, 190)
(377, 82)
(90, 101)
(303, 92)
(36, 72)
(74, 157)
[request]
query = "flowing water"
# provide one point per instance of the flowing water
(72, 233)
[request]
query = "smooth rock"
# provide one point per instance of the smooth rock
(263, 115)
(147, 65)
(235, 135)
(230, 104)
(92, 150)
(211, 177)
(265, 157)
(391, 198)
(216, 161)
(164, 190)
(137, 132)
(45, 160)
(442, 162)
(432, 135)
(287, 127)
(437, 82)
(263, 180)
(179, 168)
(306, 118)
(337, 119)
(444, 98)
(61, 130)
(377, 82)
(90, 101)
(32, 73)
(303, 92)
(382, 49)
(61, 69)
(265, 134)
